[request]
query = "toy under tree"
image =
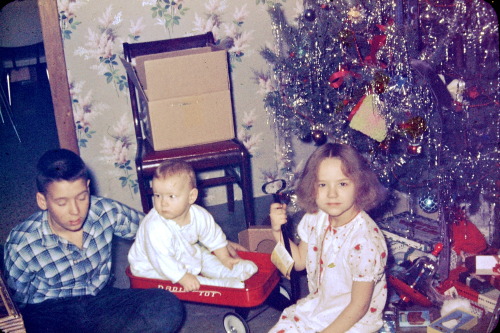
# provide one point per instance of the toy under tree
(413, 85)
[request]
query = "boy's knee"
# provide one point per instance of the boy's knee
(165, 312)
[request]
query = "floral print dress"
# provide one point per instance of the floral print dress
(336, 257)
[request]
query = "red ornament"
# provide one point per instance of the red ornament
(473, 92)
(384, 146)
(292, 54)
(414, 149)
(458, 107)
(415, 127)
(379, 87)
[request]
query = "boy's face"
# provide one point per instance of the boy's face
(67, 204)
(336, 192)
(172, 197)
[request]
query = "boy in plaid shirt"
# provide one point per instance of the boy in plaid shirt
(58, 261)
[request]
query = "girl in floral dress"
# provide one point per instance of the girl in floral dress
(341, 247)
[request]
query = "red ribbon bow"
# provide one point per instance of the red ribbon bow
(337, 78)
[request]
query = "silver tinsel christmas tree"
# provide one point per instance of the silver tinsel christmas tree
(414, 85)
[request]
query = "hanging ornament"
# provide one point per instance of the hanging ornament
(310, 15)
(356, 14)
(328, 106)
(319, 137)
(340, 106)
(414, 127)
(325, 6)
(414, 149)
(301, 53)
(381, 81)
(428, 203)
(346, 36)
(385, 146)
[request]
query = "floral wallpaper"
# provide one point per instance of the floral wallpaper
(93, 32)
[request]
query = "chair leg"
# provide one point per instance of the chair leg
(229, 193)
(247, 191)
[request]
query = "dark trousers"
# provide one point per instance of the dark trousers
(112, 310)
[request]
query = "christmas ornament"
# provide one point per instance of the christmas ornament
(380, 82)
(365, 117)
(414, 127)
(414, 149)
(301, 53)
(346, 36)
(456, 89)
(356, 14)
(428, 203)
(319, 137)
(328, 106)
(310, 15)
(384, 146)
(340, 106)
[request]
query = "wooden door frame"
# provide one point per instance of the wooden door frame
(58, 78)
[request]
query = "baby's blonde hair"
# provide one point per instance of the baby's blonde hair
(174, 168)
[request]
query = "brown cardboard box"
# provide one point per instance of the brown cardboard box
(257, 238)
(184, 97)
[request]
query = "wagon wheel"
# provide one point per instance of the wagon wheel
(234, 323)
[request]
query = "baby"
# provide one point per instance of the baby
(176, 239)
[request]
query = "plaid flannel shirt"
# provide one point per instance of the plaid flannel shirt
(40, 265)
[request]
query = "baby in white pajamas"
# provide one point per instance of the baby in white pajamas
(176, 239)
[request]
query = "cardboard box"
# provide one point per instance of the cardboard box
(452, 322)
(184, 97)
(257, 238)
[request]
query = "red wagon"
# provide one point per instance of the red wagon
(257, 290)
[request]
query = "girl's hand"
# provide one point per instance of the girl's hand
(232, 247)
(277, 213)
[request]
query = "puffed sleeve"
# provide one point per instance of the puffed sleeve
(368, 256)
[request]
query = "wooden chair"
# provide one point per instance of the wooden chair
(231, 156)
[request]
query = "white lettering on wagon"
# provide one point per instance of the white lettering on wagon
(203, 293)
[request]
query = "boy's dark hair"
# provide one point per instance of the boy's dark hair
(57, 165)
(171, 168)
(369, 191)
